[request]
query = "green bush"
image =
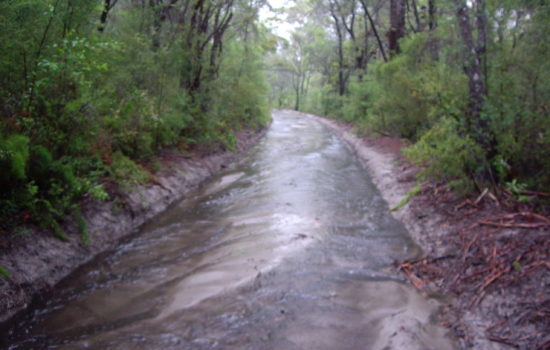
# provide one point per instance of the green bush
(409, 94)
(14, 154)
(125, 171)
(444, 154)
(77, 105)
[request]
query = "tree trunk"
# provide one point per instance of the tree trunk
(107, 7)
(341, 79)
(477, 126)
(397, 25)
(416, 16)
(432, 23)
(373, 26)
(297, 104)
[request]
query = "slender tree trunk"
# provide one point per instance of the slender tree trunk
(107, 7)
(477, 126)
(397, 25)
(434, 44)
(297, 104)
(373, 26)
(416, 16)
(432, 21)
(38, 55)
(481, 49)
(341, 78)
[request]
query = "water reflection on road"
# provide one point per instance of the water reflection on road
(292, 249)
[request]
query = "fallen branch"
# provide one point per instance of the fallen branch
(536, 193)
(512, 225)
(464, 203)
(478, 199)
(502, 340)
(493, 278)
(494, 198)
(526, 214)
(426, 260)
(416, 281)
(498, 324)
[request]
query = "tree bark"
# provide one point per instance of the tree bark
(477, 126)
(207, 24)
(432, 21)
(373, 26)
(107, 7)
(340, 35)
(397, 25)
(416, 16)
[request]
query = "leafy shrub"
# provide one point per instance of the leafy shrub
(14, 154)
(409, 94)
(78, 105)
(125, 171)
(444, 154)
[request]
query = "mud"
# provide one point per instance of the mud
(291, 249)
(502, 317)
(37, 261)
(395, 177)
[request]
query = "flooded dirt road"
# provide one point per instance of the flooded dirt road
(290, 249)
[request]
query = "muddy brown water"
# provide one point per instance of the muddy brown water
(290, 249)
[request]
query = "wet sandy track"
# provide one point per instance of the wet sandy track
(289, 250)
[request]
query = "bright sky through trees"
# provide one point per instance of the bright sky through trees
(277, 21)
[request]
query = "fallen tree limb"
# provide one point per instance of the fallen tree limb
(536, 193)
(525, 214)
(478, 199)
(513, 225)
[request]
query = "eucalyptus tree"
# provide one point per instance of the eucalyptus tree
(474, 56)
(397, 25)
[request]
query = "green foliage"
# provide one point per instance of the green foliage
(82, 226)
(97, 192)
(77, 105)
(413, 192)
(409, 94)
(125, 171)
(14, 154)
(517, 190)
(238, 97)
(418, 93)
(444, 154)
(4, 272)
(52, 224)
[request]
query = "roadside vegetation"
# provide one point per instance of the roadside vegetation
(89, 89)
(466, 82)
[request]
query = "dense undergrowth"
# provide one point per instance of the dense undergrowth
(496, 135)
(426, 101)
(89, 88)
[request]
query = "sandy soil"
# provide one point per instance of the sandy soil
(37, 261)
(489, 257)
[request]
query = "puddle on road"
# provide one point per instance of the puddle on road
(292, 249)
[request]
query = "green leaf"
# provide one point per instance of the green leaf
(4, 272)
(414, 192)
